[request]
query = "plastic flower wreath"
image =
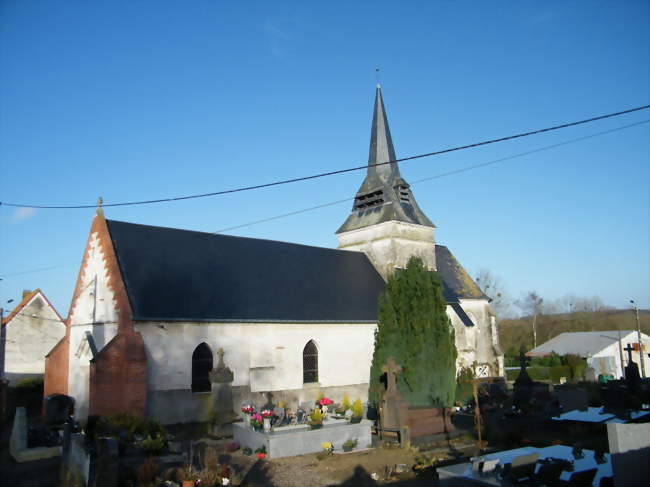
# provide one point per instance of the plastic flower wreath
(267, 413)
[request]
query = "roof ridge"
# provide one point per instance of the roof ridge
(222, 235)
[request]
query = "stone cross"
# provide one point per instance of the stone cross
(629, 349)
(221, 353)
(392, 369)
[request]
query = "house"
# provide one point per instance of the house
(30, 331)
(602, 349)
(153, 305)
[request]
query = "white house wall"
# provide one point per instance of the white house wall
(30, 335)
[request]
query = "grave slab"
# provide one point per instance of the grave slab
(296, 440)
(18, 442)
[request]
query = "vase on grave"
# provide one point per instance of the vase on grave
(267, 424)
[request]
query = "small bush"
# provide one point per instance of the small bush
(464, 394)
(559, 371)
(30, 383)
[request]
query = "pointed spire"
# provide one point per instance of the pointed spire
(384, 195)
(381, 145)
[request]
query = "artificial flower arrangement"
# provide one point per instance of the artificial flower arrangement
(267, 413)
(248, 409)
(327, 447)
(257, 422)
(325, 401)
(316, 419)
(357, 412)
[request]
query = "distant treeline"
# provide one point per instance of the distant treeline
(518, 333)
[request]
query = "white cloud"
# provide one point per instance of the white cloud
(23, 214)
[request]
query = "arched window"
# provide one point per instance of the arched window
(310, 362)
(201, 367)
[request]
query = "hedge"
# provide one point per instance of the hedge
(560, 371)
(535, 373)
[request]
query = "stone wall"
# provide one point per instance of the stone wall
(391, 244)
(263, 356)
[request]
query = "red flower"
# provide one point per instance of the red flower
(261, 456)
(267, 413)
(326, 401)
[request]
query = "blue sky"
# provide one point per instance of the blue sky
(147, 99)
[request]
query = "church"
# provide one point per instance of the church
(153, 306)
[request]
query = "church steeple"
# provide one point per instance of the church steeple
(384, 195)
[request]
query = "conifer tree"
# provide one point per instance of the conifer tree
(414, 328)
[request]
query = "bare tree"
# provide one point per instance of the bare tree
(531, 305)
(493, 288)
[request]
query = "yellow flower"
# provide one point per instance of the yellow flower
(326, 445)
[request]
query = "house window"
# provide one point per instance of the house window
(201, 367)
(310, 363)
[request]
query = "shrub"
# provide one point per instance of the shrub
(464, 394)
(153, 445)
(30, 383)
(413, 327)
(559, 371)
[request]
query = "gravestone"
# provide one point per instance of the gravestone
(394, 413)
(629, 447)
(58, 408)
(571, 397)
(222, 378)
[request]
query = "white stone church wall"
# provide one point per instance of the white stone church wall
(476, 344)
(264, 357)
(392, 244)
(95, 311)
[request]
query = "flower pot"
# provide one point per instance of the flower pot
(247, 420)
(355, 419)
(189, 483)
(267, 424)
(348, 448)
(315, 426)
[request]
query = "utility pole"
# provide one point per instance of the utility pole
(620, 350)
(638, 334)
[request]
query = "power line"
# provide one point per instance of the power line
(340, 171)
(438, 176)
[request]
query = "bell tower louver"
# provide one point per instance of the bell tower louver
(386, 222)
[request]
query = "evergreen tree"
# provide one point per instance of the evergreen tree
(414, 328)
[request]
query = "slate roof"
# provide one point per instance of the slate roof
(582, 343)
(183, 275)
(384, 195)
(457, 282)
